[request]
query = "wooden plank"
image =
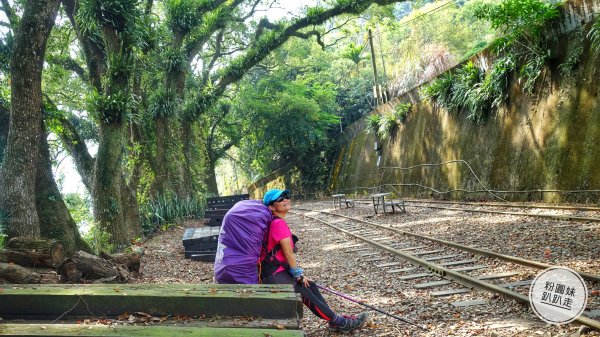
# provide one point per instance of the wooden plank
(375, 259)
(431, 284)
(11, 329)
(393, 271)
(414, 276)
(450, 292)
(443, 257)
(428, 252)
(496, 276)
(368, 254)
(37, 302)
(470, 303)
(458, 263)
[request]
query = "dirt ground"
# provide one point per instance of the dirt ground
(325, 260)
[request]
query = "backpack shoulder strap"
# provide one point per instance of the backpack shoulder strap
(265, 243)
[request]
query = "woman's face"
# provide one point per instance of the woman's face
(282, 206)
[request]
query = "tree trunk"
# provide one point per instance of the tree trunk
(161, 181)
(187, 179)
(55, 220)
(4, 121)
(108, 176)
(18, 175)
(131, 211)
(211, 177)
(34, 252)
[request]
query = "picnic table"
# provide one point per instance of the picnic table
(379, 201)
(338, 199)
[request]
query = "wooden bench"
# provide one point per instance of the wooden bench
(211, 309)
(225, 202)
(99, 330)
(379, 201)
(200, 244)
(338, 199)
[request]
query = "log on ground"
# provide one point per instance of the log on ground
(33, 252)
(90, 267)
(131, 261)
(14, 273)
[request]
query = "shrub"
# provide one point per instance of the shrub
(167, 209)
(388, 125)
(373, 124)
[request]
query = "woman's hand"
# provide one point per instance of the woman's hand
(305, 281)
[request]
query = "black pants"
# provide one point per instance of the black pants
(311, 296)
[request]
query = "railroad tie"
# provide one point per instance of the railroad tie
(411, 248)
(496, 276)
(458, 263)
(389, 264)
(516, 284)
(470, 303)
(429, 252)
(450, 292)
(431, 284)
(470, 268)
(444, 257)
(394, 271)
(414, 276)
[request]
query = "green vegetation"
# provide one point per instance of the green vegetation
(165, 210)
(594, 35)
(522, 50)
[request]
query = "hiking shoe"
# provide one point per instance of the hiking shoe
(350, 323)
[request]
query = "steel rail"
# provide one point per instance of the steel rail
(479, 251)
(546, 216)
(507, 205)
(453, 275)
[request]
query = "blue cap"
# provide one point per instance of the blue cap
(273, 194)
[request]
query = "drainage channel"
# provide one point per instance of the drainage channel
(447, 273)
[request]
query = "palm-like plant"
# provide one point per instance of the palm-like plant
(353, 53)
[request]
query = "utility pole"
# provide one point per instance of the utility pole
(376, 88)
(385, 78)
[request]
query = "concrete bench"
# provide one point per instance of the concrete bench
(37, 301)
(379, 201)
(339, 199)
(212, 309)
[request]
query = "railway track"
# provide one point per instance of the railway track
(565, 217)
(441, 267)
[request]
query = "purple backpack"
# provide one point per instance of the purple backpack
(240, 242)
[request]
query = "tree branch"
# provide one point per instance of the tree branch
(75, 145)
(69, 64)
(263, 47)
(93, 50)
(13, 19)
(217, 54)
(223, 12)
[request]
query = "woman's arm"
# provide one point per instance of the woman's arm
(290, 257)
(288, 252)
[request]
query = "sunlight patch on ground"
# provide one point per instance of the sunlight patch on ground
(334, 246)
(426, 221)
